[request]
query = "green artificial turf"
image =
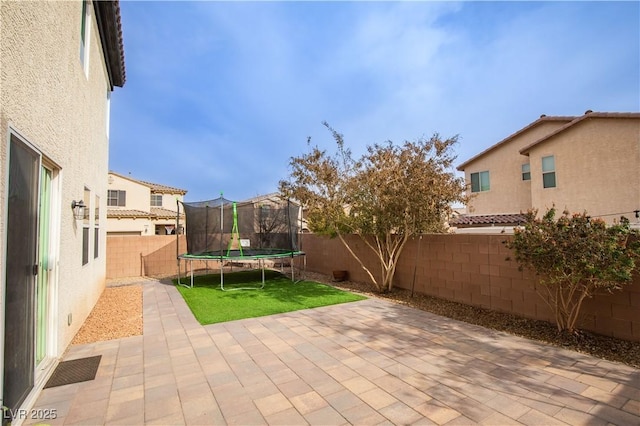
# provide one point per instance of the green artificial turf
(211, 305)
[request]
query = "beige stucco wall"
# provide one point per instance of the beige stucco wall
(597, 168)
(138, 196)
(169, 201)
(130, 226)
(46, 98)
(508, 193)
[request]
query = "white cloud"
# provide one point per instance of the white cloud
(240, 86)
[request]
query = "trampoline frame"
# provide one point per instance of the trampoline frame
(190, 258)
(222, 257)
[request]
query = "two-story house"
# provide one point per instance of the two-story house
(275, 200)
(136, 207)
(584, 163)
(60, 64)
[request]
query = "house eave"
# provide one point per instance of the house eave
(542, 119)
(110, 29)
(155, 188)
(588, 115)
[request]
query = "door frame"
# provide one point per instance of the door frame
(45, 368)
(42, 371)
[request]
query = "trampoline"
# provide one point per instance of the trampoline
(226, 231)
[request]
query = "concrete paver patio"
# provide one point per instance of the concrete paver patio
(368, 362)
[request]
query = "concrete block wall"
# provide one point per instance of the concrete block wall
(473, 269)
(154, 256)
(466, 268)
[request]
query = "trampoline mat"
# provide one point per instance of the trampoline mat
(74, 371)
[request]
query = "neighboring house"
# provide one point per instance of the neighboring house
(60, 63)
(275, 200)
(586, 163)
(136, 207)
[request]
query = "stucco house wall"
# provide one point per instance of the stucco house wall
(130, 226)
(508, 193)
(169, 201)
(138, 196)
(602, 176)
(49, 102)
(137, 217)
(597, 167)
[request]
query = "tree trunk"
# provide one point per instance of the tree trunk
(355, 256)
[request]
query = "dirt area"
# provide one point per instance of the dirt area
(118, 314)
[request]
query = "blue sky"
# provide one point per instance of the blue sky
(220, 95)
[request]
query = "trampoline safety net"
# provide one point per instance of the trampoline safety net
(222, 228)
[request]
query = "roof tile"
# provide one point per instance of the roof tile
(155, 187)
(508, 219)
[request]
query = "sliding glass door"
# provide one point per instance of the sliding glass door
(21, 272)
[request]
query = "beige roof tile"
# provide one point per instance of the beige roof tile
(508, 219)
(155, 187)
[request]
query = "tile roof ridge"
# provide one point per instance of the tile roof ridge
(157, 186)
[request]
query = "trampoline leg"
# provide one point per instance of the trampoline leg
(221, 275)
(179, 272)
(191, 268)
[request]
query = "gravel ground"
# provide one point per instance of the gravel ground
(118, 314)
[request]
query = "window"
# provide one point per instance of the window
(96, 229)
(526, 172)
(116, 198)
(85, 245)
(480, 181)
(85, 26)
(548, 172)
(156, 200)
(85, 226)
(96, 242)
(87, 202)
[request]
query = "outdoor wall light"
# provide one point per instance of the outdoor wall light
(78, 209)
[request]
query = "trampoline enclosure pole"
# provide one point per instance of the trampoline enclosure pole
(177, 235)
(206, 227)
(221, 237)
(289, 226)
